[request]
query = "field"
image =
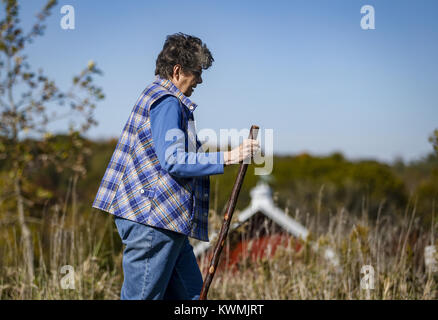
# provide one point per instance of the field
(378, 217)
(392, 245)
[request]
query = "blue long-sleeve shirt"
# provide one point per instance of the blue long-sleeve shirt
(166, 116)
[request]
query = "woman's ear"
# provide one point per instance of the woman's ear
(176, 72)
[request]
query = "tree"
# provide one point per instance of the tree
(434, 140)
(26, 98)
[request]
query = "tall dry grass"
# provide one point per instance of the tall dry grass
(88, 241)
(392, 245)
(62, 237)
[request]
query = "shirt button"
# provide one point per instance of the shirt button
(205, 214)
(191, 108)
(142, 191)
(205, 195)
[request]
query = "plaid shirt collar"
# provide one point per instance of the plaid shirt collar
(173, 89)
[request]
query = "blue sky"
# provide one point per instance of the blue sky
(305, 69)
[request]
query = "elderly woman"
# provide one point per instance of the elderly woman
(157, 181)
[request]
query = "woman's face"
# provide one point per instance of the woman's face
(186, 80)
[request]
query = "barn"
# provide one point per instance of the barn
(258, 231)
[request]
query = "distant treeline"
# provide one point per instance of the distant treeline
(301, 182)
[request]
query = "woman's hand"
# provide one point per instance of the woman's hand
(248, 148)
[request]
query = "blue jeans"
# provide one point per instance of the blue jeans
(157, 264)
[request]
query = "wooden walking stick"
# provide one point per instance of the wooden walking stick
(227, 220)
